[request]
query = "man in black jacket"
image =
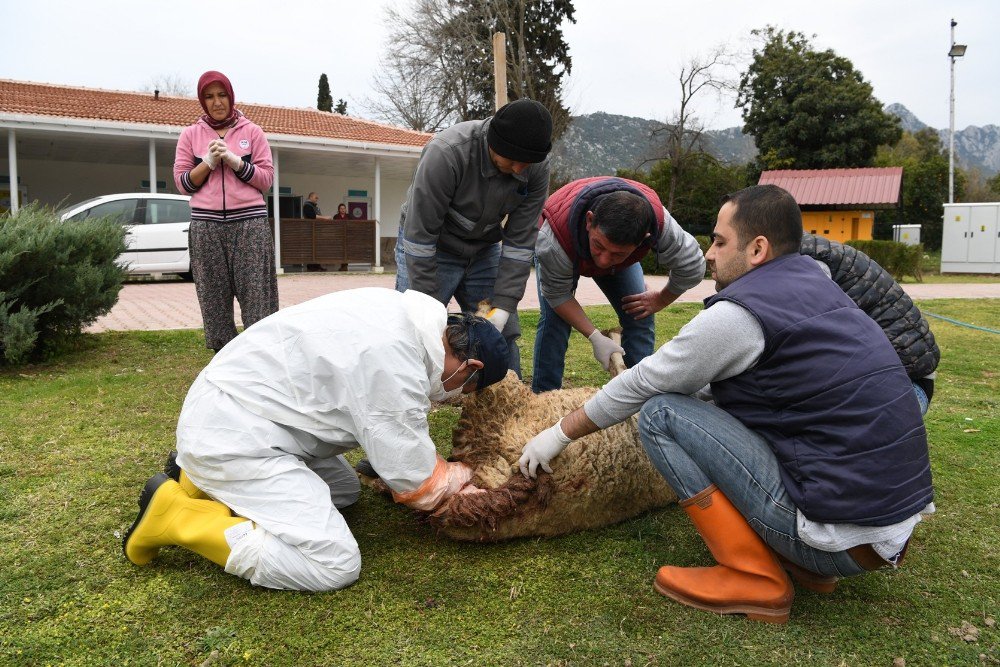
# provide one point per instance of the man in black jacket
(310, 211)
(878, 294)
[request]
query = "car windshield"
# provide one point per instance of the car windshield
(66, 209)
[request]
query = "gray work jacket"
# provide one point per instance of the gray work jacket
(456, 204)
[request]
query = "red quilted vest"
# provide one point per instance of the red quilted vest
(573, 200)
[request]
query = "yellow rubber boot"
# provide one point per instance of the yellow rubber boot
(174, 472)
(190, 489)
(167, 516)
(748, 579)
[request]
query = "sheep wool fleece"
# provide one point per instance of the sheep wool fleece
(265, 424)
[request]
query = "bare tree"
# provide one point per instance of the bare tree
(439, 71)
(682, 139)
(425, 79)
(168, 84)
(411, 96)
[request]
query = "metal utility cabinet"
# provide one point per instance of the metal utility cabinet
(971, 239)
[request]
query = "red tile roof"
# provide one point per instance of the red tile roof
(878, 187)
(40, 99)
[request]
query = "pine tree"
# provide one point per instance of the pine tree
(341, 107)
(324, 101)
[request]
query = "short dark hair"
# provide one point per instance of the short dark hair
(768, 211)
(624, 217)
(457, 333)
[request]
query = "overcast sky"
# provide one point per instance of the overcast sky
(626, 55)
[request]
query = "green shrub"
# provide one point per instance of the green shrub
(899, 259)
(55, 278)
(651, 268)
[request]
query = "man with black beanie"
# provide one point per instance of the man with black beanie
(468, 227)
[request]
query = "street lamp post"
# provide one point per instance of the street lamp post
(957, 51)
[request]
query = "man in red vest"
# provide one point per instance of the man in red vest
(601, 228)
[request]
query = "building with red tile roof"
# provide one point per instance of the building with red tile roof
(840, 204)
(68, 143)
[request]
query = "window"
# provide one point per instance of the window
(163, 211)
(123, 209)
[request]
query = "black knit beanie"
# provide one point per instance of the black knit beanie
(521, 131)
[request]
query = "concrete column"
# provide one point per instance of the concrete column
(276, 199)
(152, 166)
(378, 217)
(15, 194)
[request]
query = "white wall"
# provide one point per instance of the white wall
(70, 182)
(53, 183)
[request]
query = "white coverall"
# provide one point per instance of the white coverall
(265, 425)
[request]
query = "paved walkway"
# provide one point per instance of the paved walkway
(174, 305)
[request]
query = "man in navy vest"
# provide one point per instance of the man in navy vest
(601, 228)
(813, 458)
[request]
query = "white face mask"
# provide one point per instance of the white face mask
(439, 394)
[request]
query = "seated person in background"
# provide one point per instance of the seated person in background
(342, 215)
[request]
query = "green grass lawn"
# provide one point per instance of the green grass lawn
(80, 435)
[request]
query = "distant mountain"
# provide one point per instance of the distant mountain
(907, 120)
(598, 144)
(974, 146)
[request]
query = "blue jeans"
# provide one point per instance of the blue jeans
(695, 444)
(552, 337)
(922, 399)
(469, 281)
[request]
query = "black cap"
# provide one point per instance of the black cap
(521, 131)
(486, 345)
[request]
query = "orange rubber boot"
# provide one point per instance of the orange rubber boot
(748, 579)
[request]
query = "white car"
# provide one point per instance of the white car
(157, 224)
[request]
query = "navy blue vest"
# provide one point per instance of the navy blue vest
(831, 398)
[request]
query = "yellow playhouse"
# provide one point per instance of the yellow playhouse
(840, 204)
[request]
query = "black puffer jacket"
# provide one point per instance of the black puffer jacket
(877, 293)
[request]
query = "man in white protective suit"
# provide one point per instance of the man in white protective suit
(260, 472)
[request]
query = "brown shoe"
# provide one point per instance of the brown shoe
(807, 578)
(748, 579)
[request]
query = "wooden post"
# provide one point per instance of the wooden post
(500, 68)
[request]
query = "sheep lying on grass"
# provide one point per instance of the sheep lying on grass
(598, 480)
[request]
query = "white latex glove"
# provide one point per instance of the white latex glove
(498, 318)
(541, 449)
(210, 158)
(221, 151)
(604, 347)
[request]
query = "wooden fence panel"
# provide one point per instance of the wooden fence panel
(327, 241)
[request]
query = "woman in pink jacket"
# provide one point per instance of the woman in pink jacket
(224, 162)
